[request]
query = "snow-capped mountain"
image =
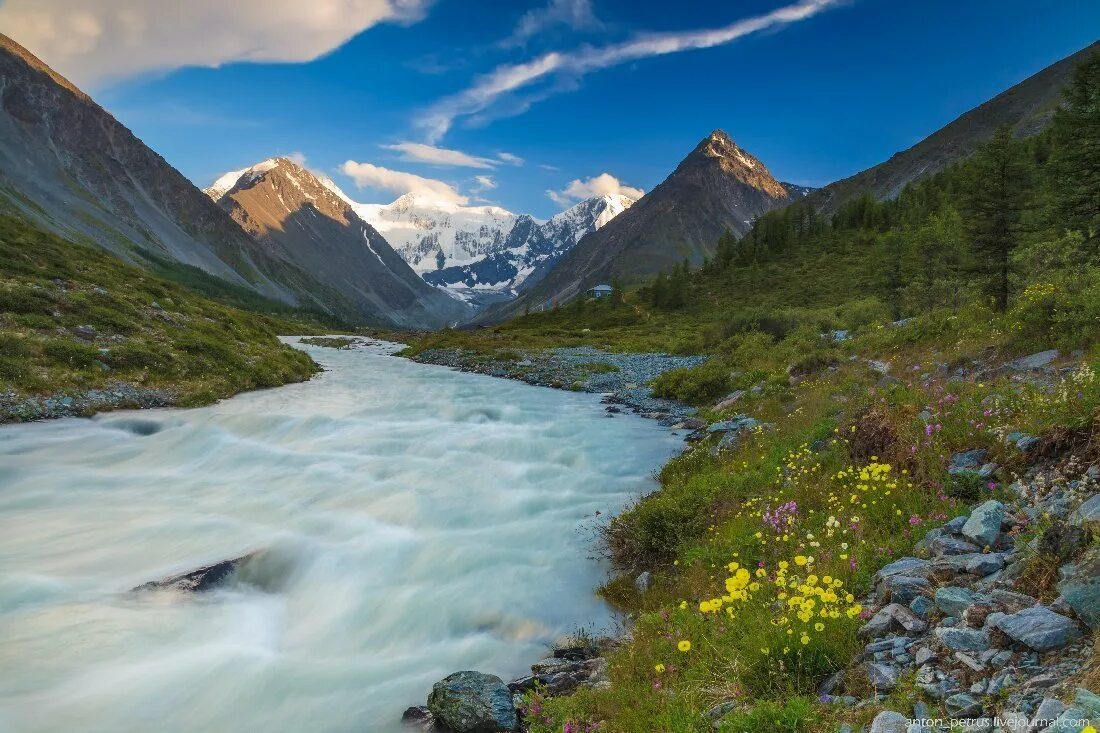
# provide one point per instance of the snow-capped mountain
(467, 249)
(306, 220)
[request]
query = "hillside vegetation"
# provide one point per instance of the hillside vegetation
(871, 346)
(75, 319)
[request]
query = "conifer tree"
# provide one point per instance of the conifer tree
(1076, 156)
(994, 209)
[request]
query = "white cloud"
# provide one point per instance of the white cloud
(604, 184)
(485, 183)
(297, 157)
(421, 153)
(92, 41)
(575, 14)
(510, 159)
(367, 175)
(510, 78)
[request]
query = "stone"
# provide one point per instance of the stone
(720, 710)
(953, 600)
(962, 705)
(883, 677)
(901, 588)
(1033, 361)
(1048, 711)
(734, 424)
(924, 656)
(1088, 514)
(1088, 701)
(911, 566)
(950, 545)
(473, 702)
(418, 716)
(889, 721)
(198, 581)
(955, 525)
(986, 564)
(922, 606)
(984, 525)
(84, 333)
(1011, 601)
(890, 617)
(1080, 588)
(963, 640)
(831, 683)
(729, 400)
(971, 662)
(967, 461)
(643, 581)
(1027, 443)
(1039, 628)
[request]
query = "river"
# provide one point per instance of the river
(413, 521)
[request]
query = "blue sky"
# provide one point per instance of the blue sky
(817, 93)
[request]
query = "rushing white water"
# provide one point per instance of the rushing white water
(416, 521)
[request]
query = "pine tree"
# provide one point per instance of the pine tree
(1076, 155)
(994, 209)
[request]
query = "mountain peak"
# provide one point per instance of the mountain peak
(719, 150)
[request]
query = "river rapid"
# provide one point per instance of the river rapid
(412, 521)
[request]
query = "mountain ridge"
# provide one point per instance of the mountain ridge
(285, 206)
(718, 186)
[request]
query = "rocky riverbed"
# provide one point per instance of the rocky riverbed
(81, 403)
(623, 378)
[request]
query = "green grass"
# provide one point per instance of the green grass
(147, 331)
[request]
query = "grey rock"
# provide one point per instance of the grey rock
(1027, 443)
(889, 721)
(1088, 701)
(1034, 361)
(890, 617)
(419, 717)
(1080, 588)
(1049, 710)
(985, 564)
(911, 566)
(955, 525)
(971, 662)
(963, 640)
(1011, 601)
(962, 705)
(1039, 628)
(922, 606)
(967, 461)
(84, 333)
(883, 677)
(950, 545)
(984, 525)
(643, 581)
(1088, 514)
(473, 702)
(729, 400)
(953, 600)
(901, 588)
(201, 580)
(924, 656)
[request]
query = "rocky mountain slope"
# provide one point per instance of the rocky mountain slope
(69, 166)
(306, 221)
(718, 186)
(1027, 108)
(479, 252)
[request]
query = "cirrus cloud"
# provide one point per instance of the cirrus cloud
(604, 184)
(103, 40)
(368, 175)
(562, 70)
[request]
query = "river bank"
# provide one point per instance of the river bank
(623, 378)
(989, 616)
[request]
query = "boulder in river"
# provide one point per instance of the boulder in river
(473, 702)
(198, 581)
